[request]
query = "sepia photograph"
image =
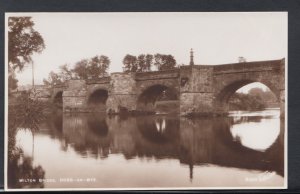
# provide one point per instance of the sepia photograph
(145, 100)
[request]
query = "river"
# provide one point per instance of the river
(245, 149)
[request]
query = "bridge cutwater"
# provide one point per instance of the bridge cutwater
(199, 89)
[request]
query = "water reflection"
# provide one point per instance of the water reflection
(88, 135)
(98, 126)
(250, 144)
(158, 129)
(23, 173)
(256, 135)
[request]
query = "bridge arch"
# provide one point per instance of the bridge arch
(97, 99)
(148, 97)
(223, 95)
(57, 98)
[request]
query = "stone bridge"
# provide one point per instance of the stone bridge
(198, 89)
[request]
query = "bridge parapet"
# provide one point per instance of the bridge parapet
(101, 80)
(249, 67)
(174, 73)
(62, 85)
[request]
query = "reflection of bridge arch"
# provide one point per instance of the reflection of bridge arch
(158, 130)
(271, 159)
(148, 97)
(98, 126)
(88, 134)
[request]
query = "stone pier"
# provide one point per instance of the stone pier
(122, 94)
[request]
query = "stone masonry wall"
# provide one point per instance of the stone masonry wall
(122, 92)
(196, 91)
(74, 97)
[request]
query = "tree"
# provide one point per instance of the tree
(240, 101)
(256, 93)
(130, 63)
(141, 63)
(12, 82)
(80, 69)
(104, 64)
(164, 62)
(149, 62)
(65, 72)
(92, 68)
(98, 66)
(53, 79)
(58, 78)
(144, 62)
(23, 41)
(265, 96)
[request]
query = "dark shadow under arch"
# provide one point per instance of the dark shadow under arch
(58, 99)
(97, 100)
(151, 95)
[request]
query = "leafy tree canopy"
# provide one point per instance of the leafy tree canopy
(144, 62)
(98, 66)
(23, 41)
(256, 99)
(80, 69)
(53, 79)
(12, 81)
(65, 72)
(93, 68)
(164, 62)
(130, 63)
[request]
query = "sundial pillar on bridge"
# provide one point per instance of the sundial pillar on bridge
(196, 91)
(192, 57)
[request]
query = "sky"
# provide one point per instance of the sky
(216, 38)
